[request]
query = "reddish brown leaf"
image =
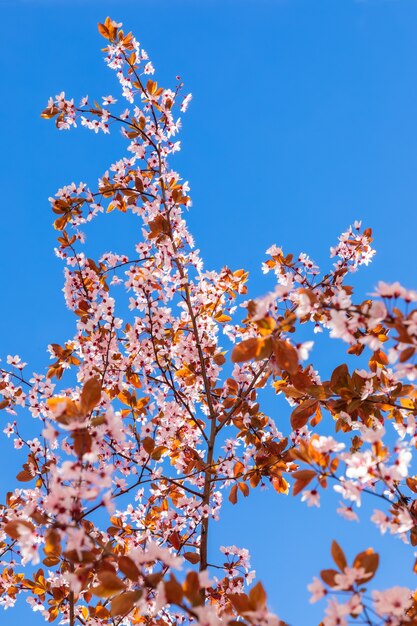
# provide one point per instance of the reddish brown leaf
(305, 474)
(122, 604)
(240, 602)
(192, 557)
(82, 442)
(286, 356)
(338, 556)
(301, 381)
(246, 350)
(406, 354)
(327, 576)
(175, 540)
(219, 358)
(257, 597)
(110, 584)
(339, 377)
(173, 591)
(128, 568)
(369, 560)
(233, 494)
(411, 484)
(191, 588)
(318, 391)
(149, 444)
(25, 476)
(13, 528)
(90, 395)
(317, 417)
(300, 415)
(158, 226)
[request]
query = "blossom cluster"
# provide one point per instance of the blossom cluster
(145, 427)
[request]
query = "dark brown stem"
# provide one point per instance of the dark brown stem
(71, 605)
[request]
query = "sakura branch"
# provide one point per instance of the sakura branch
(146, 422)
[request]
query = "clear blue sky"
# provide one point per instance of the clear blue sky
(304, 118)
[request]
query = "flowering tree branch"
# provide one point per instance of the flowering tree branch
(149, 414)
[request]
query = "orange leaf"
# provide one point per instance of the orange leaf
(316, 419)
(50, 561)
(222, 317)
(25, 476)
(103, 31)
(50, 112)
(238, 469)
(52, 543)
(244, 489)
(411, 484)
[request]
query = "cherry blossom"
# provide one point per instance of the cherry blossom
(150, 416)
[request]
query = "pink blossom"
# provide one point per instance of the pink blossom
(347, 512)
(394, 601)
(381, 520)
(317, 589)
(16, 361)
(326, 444)
(394, 290)
(311, 497)
(349, 490)
(10, 428)
(336, 614)
(108, 100)
(186, 102)
(349, 576)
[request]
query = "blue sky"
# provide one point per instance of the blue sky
(303, 119)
